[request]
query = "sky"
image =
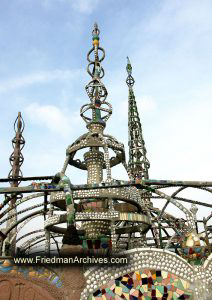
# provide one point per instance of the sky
(43, 48)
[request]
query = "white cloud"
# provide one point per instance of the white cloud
(52, 117)
(175, 15)
(183, 142)
(84, 6)
(39, 77)
(80, 6)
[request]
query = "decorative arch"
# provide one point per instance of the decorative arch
(150, 274)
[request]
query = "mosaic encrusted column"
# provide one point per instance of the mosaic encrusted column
(100, 113)
(94, 162)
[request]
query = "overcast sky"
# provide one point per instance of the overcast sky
(43, 47)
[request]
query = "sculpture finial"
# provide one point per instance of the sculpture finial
(129, 67)
(95, 89)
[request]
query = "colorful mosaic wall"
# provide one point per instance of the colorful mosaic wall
(6, 266)
(194, 249)
(144, 285)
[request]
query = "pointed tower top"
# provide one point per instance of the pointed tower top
(16, 158)
(19, 123)
(129, 67)
(99, 109)
(138, 163)
(130, 80)
(96, 30)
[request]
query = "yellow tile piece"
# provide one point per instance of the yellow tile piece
(184, 283)
(127, 296)
(125, 279)
(164, 274)
(118, 290)
(158, 293)
(169, 295)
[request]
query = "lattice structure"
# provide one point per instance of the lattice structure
(138, 162)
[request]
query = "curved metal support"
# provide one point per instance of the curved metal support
(22, 225)
(19, 202)
(187, 213)
(167, 202)
(29, 233)
(23, 219)
(20, 212)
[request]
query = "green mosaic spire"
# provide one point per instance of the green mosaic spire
(138, 163)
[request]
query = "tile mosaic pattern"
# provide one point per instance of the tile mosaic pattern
(39, 272)
(194, 248)
(144, 285)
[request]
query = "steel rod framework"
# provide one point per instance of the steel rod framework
(104, 213)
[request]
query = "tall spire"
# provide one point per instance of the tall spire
(97, 92)
(16, 158)
(16, 161)
(138, 164)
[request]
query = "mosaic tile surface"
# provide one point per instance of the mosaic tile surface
(7, 266)
(145, 285)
